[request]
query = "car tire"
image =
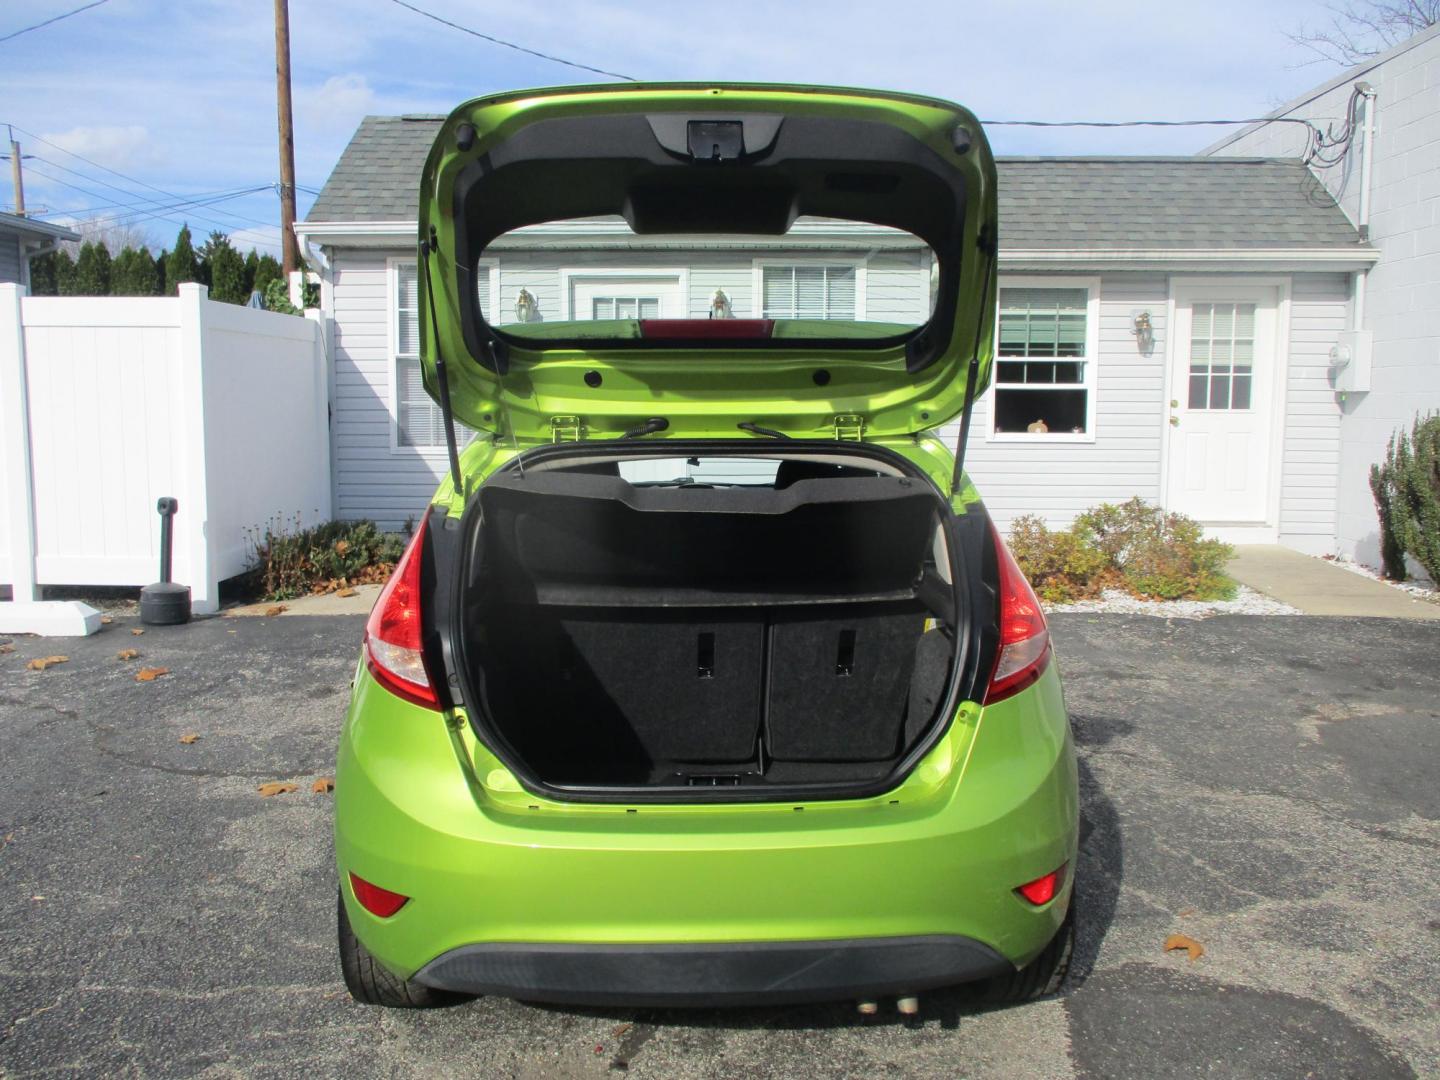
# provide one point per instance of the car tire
(370, 984)
(1041, 977)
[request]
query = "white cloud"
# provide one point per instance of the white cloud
(126, 148)
(340, 100)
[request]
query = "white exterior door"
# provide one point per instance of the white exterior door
(627, 296)
(1222, 403)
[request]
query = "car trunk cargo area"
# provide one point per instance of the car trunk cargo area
(633, 636)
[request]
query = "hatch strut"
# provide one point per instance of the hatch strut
(430, 246)
(987, 245)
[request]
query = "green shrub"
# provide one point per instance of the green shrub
(1060, 565)
(1134, 546)
(1161, 556)
(1406, 487)
(324, 557)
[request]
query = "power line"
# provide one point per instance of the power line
(144, 212)
(134, 179)
(57, 18)
(511, 44)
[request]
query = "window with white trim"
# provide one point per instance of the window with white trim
(418, 420)
(807, 291)
(1044, 375)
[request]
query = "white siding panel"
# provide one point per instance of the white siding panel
(1310, 462)
(1058, 480)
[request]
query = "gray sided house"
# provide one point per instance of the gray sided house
(21, 239)
(1166, 326)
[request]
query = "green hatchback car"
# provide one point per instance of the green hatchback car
(706, 679)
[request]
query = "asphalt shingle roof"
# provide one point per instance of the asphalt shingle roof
(1101, 203)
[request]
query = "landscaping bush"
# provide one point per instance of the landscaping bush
(334, 555)
(1406, 487)
(1134, 546)
(1060, 565)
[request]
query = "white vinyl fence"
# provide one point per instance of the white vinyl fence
(108, 404)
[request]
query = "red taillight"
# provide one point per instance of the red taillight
(1043, 889)
(705, 329)
(393, 646)
(374, 899)
(1024, 640)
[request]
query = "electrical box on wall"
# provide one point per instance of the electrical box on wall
(1350, 360)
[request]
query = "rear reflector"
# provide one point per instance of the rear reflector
(1043, 889)
(1024, 638)
(380, 902)
(394, 650)
(705, 329)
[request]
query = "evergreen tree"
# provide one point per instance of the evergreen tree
(267, 269)
(64, 274)
(252, 264)
(181, 264)
(92, 270)
(224, 269)
(162, 260)
(42, 275)
(133, 274)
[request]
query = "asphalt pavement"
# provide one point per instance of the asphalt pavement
(1266, 786)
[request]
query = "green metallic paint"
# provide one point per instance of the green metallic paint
(423, 809)
(773, 388)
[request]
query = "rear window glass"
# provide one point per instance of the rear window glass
(594, 279)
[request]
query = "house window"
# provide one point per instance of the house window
(1044, 362)
(625, 307)
(808, 292)
(418, 421)
(1222, 356)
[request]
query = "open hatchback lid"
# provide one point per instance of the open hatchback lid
(702, 168)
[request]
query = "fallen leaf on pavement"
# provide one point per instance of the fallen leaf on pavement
(40, 663)
(189, 738)
(348, 592)
(150, 674)
(7, 647)
(106, 620)
(274, 788)
(278, 609)
(137, 630)
(622, 1028)
(323, 786)
(1185, 912)
(127, 654)
(1189, 944)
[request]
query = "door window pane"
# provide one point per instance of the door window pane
(1222, 356)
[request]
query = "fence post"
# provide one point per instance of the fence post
(18, 480)
(192, 523)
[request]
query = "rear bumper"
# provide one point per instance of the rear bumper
(511, 893)
(731, 973)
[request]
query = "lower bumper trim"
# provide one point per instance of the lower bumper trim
(725, 973)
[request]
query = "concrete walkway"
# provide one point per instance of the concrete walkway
(1317, 587)
(325, 604)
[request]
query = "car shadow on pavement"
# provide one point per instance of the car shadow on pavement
(1101, 862)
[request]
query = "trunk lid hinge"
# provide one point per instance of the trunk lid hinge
(565, 429)
(849, 427)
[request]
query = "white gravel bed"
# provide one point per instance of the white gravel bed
(1421, 590)
(1247, 602)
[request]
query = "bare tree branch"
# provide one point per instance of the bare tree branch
(1361, 29)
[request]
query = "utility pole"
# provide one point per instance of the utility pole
(288, 241)
(16, 179)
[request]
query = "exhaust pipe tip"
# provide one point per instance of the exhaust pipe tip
(907, 1006)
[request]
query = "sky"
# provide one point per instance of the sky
(177, 97)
